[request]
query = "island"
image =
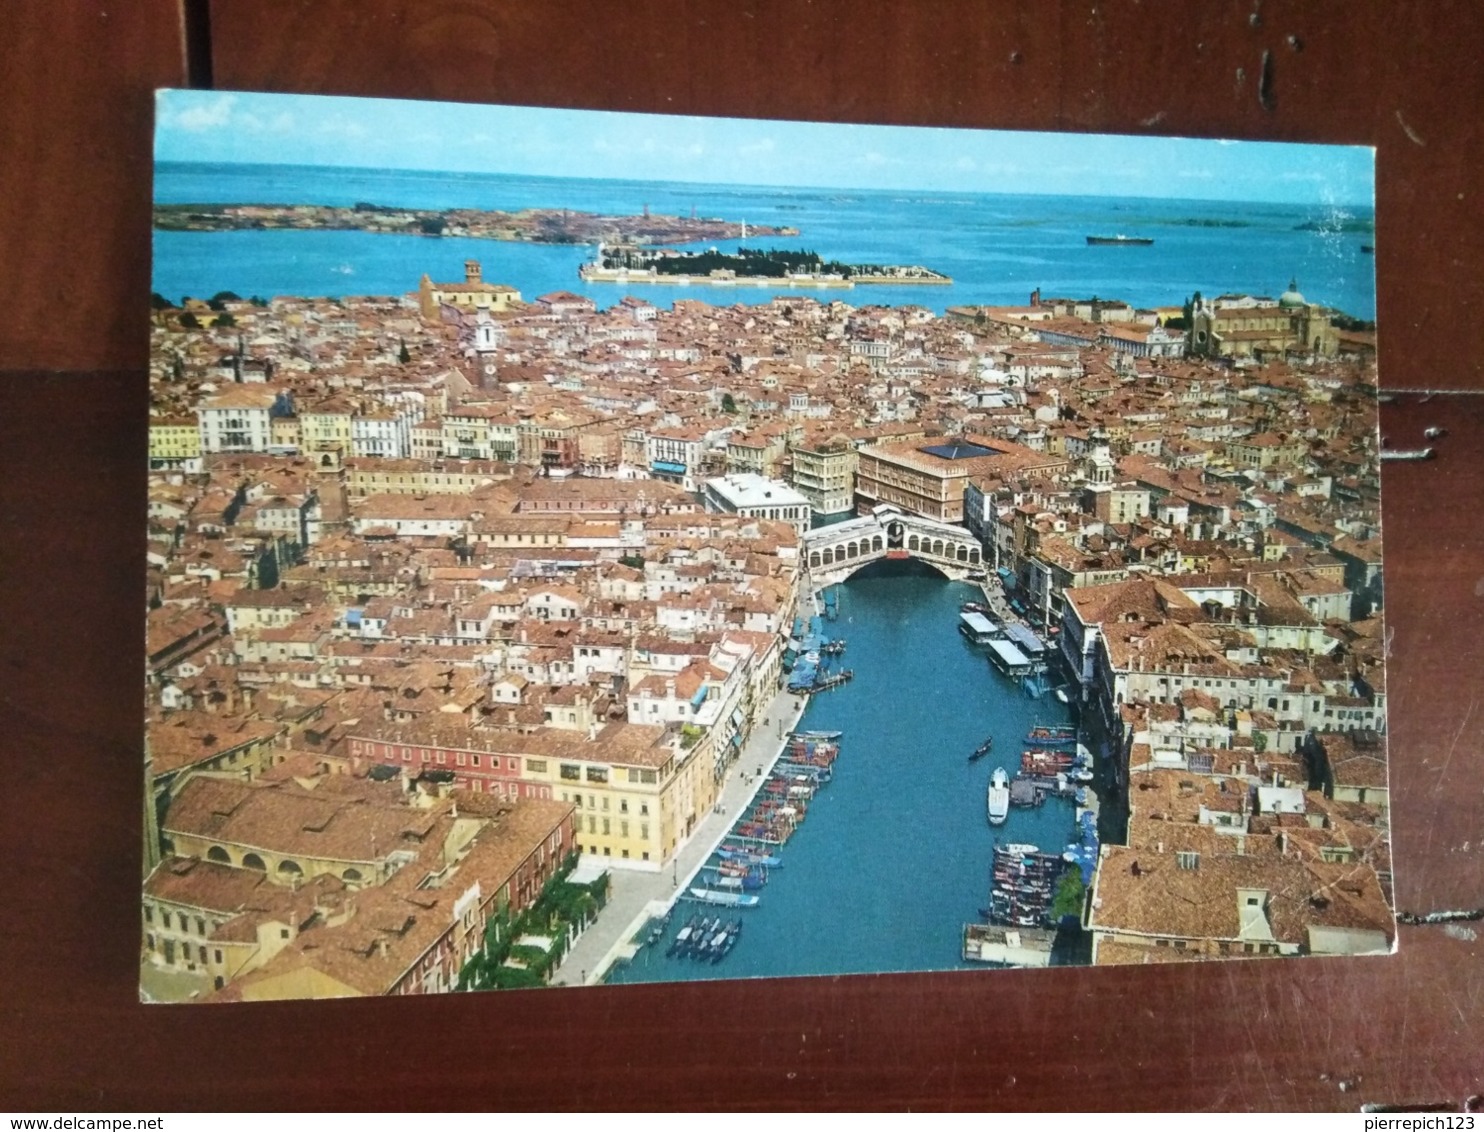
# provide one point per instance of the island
(628, 263)
(530, 225)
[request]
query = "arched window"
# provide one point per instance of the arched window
(963, 553)
(912, 542)
(876, 543)
(938, 547)
(289, 869)
(973, 554)
(351, 875)
(217, 853)
(814, 559)
(253, 861)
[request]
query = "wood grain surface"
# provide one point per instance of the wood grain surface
(1318, 1034)
(76, 117)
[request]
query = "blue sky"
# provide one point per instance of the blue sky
(461, 138)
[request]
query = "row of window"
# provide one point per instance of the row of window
(569, 771)
(166, 920)
(623, 827)
(592, 803)
(608, 852)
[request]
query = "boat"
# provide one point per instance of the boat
(1120, 241)
(1367, 249)
(982, 750)
(999, 796)
(683, 936)
(728, 899)
(1056, 735)
(1061, 694)
(747, 857)
(974, 607)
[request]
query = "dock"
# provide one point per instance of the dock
(978, 628)
(1007, 658)
(1008, 947)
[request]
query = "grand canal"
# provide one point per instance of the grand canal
(894, 856)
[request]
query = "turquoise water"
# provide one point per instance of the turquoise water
(997, 247)
(894, 856)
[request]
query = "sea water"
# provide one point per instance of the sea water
(894, 855)
(998, 248)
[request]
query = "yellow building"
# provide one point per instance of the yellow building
(638, 789)
(325, 429)
(284, 433)
(472, 295)
(480, 432)
(824, 473)
(174, 443)
(420, 477)
(929, 479)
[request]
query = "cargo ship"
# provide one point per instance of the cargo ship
(1118, 241)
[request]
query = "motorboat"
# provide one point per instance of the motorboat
(999, 796)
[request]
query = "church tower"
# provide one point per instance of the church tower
(486, 349)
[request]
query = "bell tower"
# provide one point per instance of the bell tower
(486, 349)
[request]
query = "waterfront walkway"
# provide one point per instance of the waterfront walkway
(635, 897)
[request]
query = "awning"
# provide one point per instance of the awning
(1005, 576)
(736, 740)
(699, 698)
(737, 717)
(668, 468)
(352, 616)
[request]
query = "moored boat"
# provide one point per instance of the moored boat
(1055, 735)
(982, 750)
(728, 899)
(998, 800)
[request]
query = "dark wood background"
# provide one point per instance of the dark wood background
(75, 118)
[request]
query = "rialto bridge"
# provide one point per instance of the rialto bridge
(834, 553)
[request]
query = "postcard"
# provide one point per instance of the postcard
(610, 548)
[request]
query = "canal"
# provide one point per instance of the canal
(894, 855)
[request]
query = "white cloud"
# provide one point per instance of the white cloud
(342, 127)
(212, 115)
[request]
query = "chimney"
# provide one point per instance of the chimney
(472, 272)
(381, 948)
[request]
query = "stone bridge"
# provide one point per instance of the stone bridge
(834, 553)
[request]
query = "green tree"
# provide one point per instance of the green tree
(431, 225)
(402, 355)
(225, 319)
(1259, 741)
(219, 301)
(158, 301)
(1069, 893)
(728, 403)
(188, 321)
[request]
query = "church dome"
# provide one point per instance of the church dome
(1291, 297)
